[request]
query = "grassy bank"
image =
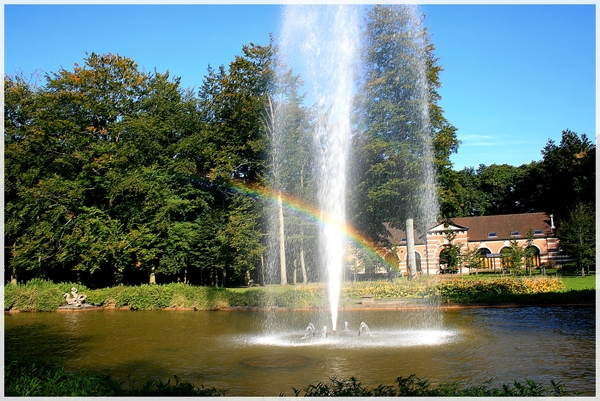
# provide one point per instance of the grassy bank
(44, 296)
(50, 379)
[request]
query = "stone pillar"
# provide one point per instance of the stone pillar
(410, 248)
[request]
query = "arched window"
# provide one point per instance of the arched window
(505, 260)
(449, 259)
(485, 262)
(533, 256)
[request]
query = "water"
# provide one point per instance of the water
(231, 350)
(321, 43)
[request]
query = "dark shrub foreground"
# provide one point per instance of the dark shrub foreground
(36, 378)
(413, 386)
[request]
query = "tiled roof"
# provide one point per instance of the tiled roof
(398, 237)
(479, 228)
(505, 226)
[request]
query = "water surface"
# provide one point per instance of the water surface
(234, 350)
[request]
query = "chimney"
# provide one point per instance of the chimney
(552, 227)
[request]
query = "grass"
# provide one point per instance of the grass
(578, 283)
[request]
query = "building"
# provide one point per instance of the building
(489, 234)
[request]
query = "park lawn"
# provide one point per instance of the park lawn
(579, 283)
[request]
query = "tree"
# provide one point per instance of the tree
(577, 234)
(491, 190)
(470, 258)
(70, 141)
(98, 190)
(451, 254)
(568, 174)
(396, 117)
(499, 183)
(445, 142)
(232, 143)
(512, 257)
(470, 196)
(240, 241)
(529, 251)
(290, 162)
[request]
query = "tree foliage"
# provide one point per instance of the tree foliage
(113, 174)
(398, 111)
(102, 184)
(577, 234)
(563, 178)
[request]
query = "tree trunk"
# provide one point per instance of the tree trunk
(262, 269)
(302, 264)
(410, 245)
(295, 272)
(281, 241)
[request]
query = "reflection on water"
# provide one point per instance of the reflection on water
(233, 351)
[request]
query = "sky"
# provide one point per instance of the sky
(514, 76)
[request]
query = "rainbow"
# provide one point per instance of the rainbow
(309, 212)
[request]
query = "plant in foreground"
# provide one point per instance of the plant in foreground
(414, 386)
(48, 378)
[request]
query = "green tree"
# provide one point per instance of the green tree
(470, 257)
(499, 185)
(529, 251)
(445, 142)
(512, 257)
(232, 143)
(451, 254)
(577, 234)
(470, 197)
(98, 190)
(568, 174)
(239, 241)
(393, 154)
(291, 166)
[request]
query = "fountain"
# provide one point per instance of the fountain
(310, 331)
(363, 327)
(322, 45)
(321, 42)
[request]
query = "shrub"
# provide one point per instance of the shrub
(40, 295)
(38, 378)
(496, 290)
(388, 289)
(10, 293)
(412, 386)
(37, 295)
(150, 297)
(48, 378)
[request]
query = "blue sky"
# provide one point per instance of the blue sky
(514, 76)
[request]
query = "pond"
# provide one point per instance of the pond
(268, 353)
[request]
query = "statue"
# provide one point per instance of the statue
(77, 300)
